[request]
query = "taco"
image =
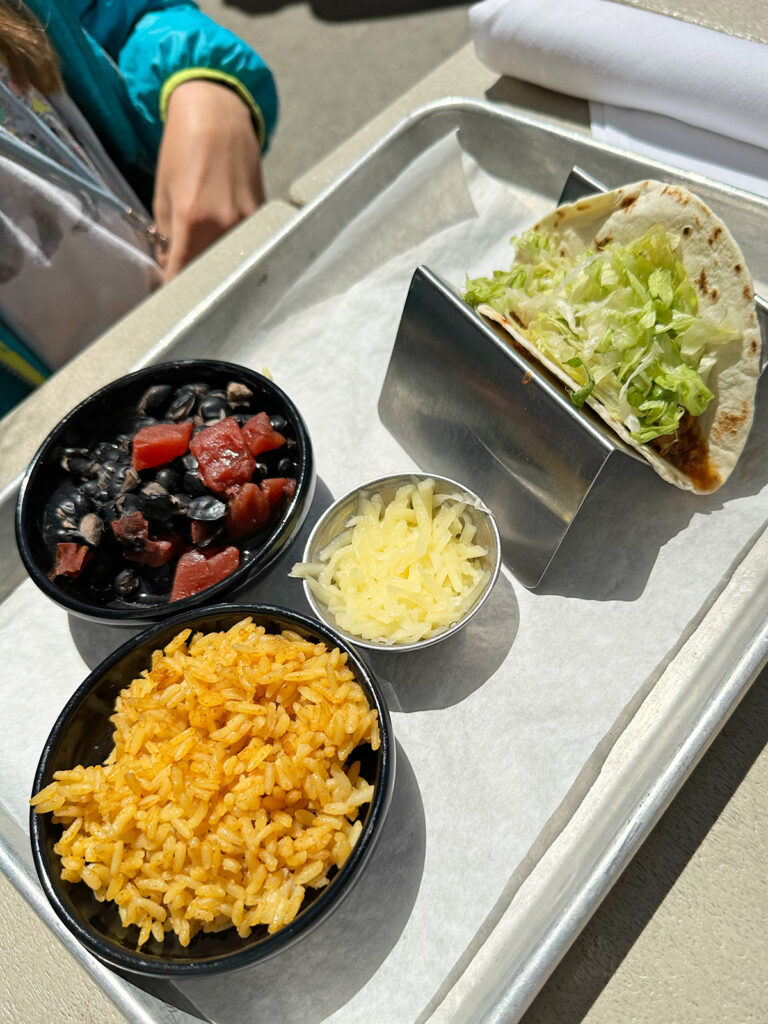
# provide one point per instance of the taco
(640, 302)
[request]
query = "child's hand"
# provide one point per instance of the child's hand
(208, 171)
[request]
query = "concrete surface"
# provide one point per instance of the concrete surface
(39, 980)
(460, 75)
(338, 64)
(682, 938)
(745, 18)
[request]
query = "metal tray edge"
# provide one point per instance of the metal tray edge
(22, 878)
(692, 699)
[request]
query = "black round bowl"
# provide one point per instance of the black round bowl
(99, 418)
(83, 735)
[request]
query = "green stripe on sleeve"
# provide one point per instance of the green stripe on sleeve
(213, 75)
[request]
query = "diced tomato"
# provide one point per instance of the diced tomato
(223, 564)
(71, 559)
(192, 575)
(159, 444)
(131, 530)
(247, 511)
(156, 552)
(277, 488)
(259, 435)
(222, 456)
(196, 571)
(274, 488)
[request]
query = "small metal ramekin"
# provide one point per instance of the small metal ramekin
(334, 521)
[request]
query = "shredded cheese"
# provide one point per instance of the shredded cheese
(401, 572)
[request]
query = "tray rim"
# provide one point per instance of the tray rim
(522, 989)
(617, 777)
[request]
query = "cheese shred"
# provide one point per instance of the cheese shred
(401, 572)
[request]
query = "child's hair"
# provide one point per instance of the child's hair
(26, 49)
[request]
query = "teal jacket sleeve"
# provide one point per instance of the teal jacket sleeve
(159, 43)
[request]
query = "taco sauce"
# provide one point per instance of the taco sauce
(687, 451)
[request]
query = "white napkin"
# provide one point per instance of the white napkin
(682, 145)
(621, 55)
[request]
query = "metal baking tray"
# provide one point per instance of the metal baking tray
(645, 757)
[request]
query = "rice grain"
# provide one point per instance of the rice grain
(226, 794)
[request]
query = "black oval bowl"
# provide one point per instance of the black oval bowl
(83, 735)
(96, 419)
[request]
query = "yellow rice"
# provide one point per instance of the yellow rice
(227, 792)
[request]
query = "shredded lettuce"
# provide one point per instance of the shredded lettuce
(624, 319)
(580, 396)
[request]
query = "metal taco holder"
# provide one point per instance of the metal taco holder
(465, 402)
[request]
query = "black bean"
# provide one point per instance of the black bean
(65, 509)
(104, 476)
(238, 394)
(59, 533)
(83, 468)
(193, 484)
(124, 478)
(154, 488)
(72, 459)
(91, 529)
(207, 508)
(261, 470)
(156, 503)
(94, 492)
(154, 400)
(183, 403)
(181, 502)
(115, 485)
(83, 503)
(90, 488)
(189, 461)
(76, 450)
(279, 423)
(215, 406)
(110, 454)
(285, 467)
(111, 510)
(290, 444)
(131, 479)
(126, 582)
(139, 422)
(168, 478)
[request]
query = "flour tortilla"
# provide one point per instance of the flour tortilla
(718, 273)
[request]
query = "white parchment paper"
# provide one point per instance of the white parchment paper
(494, 725)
